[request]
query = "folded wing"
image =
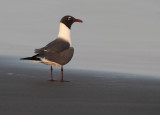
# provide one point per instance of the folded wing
(55, 46)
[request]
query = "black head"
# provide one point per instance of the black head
(69, 20)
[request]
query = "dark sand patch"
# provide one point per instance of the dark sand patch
(25, 90)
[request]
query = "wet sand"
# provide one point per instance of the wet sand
(25, 90)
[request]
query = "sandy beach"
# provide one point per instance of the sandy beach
(25, 90)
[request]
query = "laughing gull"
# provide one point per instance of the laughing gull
(60, 51)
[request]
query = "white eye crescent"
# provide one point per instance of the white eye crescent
(69, 18)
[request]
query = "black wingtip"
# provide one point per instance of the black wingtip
(31, 58)
(27, 58)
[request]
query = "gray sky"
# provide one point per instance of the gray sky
(117, 35)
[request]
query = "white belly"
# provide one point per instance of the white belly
(47, 62)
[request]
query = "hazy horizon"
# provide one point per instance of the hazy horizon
(120, 36)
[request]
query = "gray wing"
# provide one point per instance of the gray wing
(61, 58)
(56, 46)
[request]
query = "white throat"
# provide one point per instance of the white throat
(64, 33)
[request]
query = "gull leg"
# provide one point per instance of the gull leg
(51, 74)
(62, 75)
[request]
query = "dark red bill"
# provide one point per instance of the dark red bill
(78, 20)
